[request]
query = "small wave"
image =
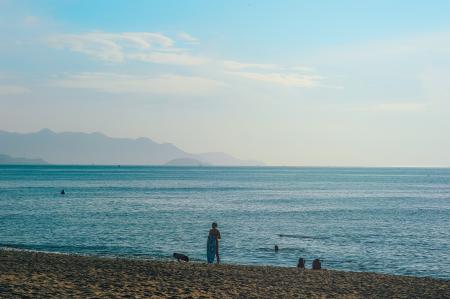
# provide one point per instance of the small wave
(57, 248)
(26, 249)
(133, 256)
(281, 250)
(301, 237)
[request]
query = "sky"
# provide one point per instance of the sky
(291, 83)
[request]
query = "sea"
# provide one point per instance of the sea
(385, 220)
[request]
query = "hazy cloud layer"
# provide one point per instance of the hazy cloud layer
(394, 107)
(291, 80)
(236, 65)
(125, 83)
(437, 43)
(120, 47)
(13, 90)
(160, 49)
(297, 76)
(187, 37)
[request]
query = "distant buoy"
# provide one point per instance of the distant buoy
(63, 192)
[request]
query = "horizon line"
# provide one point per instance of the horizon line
(225, 166)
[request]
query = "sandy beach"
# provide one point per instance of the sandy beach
(43, 275)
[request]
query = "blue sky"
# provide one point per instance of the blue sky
(328, 83)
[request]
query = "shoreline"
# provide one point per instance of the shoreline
(167, 259)
(42, 275)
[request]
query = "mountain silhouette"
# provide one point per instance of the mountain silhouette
(97, 148)
(5, 159)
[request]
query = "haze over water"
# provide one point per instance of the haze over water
(388, 220)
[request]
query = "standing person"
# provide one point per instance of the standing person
(212, 246)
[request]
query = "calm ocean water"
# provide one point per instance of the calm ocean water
(360, 219)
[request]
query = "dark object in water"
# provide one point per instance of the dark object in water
(276, 248)
(301, 263)
(299, 236)
(316, 265)
(181, 257)
(63, 192)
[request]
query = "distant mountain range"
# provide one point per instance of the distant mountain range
(97, 148)
(5, 159)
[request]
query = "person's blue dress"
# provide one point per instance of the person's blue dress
(211, 248)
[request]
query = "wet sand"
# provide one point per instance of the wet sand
(42, 275)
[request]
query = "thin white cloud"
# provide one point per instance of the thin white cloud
(380, 50)
(296, 76)
(123, 83)
(158, 48)
(168, 58)
(187, 38)
(13, 90)
(236, 65)
(301, 68)
(120, 47)
(284, 79)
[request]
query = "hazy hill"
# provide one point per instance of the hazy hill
(97, 148)
(186, 162)
(5, 159)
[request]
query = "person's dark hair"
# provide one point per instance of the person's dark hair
(214, 225)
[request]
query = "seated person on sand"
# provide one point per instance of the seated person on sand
(301, 263)
(316, 265)
(212, 246)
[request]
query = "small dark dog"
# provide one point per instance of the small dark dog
(181, 257)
